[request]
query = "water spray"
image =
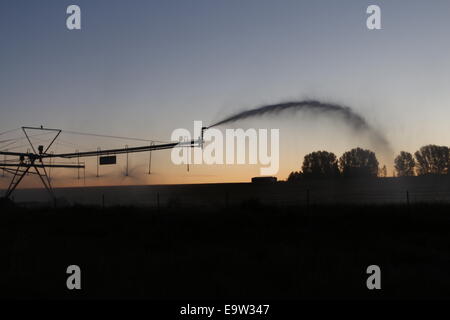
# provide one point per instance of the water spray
(347, 114)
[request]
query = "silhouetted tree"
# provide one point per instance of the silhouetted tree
(404, 164)
(358, 163)
(432, 159)
(383, 172)
(320, 164)
(294, 176)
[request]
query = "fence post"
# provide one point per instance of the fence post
(126, 147)
(157, 200)
(227, 196)
(78, 163)
(4, 161)
(98, 162)
(150, 160)
(307, 198)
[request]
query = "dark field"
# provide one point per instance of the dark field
(429, 189)
(248, 250)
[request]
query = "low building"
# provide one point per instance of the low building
(264, 179)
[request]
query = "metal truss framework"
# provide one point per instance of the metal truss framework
(35, 162)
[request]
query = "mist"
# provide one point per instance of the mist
(335, 111)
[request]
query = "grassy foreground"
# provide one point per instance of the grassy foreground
(245, 251)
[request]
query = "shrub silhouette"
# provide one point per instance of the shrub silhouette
(294, 176)
(320, 164)
(432, 159)
(404, 164)
(358, 163)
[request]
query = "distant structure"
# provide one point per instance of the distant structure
(260, 180)
(38, 160)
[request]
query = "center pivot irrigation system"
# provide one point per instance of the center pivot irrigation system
(37, 162)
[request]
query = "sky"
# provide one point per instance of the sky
(145, 68)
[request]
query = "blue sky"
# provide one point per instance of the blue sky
(145, 68)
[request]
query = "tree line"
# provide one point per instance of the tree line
(358, 162)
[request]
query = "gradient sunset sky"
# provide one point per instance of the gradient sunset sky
(144, 68)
